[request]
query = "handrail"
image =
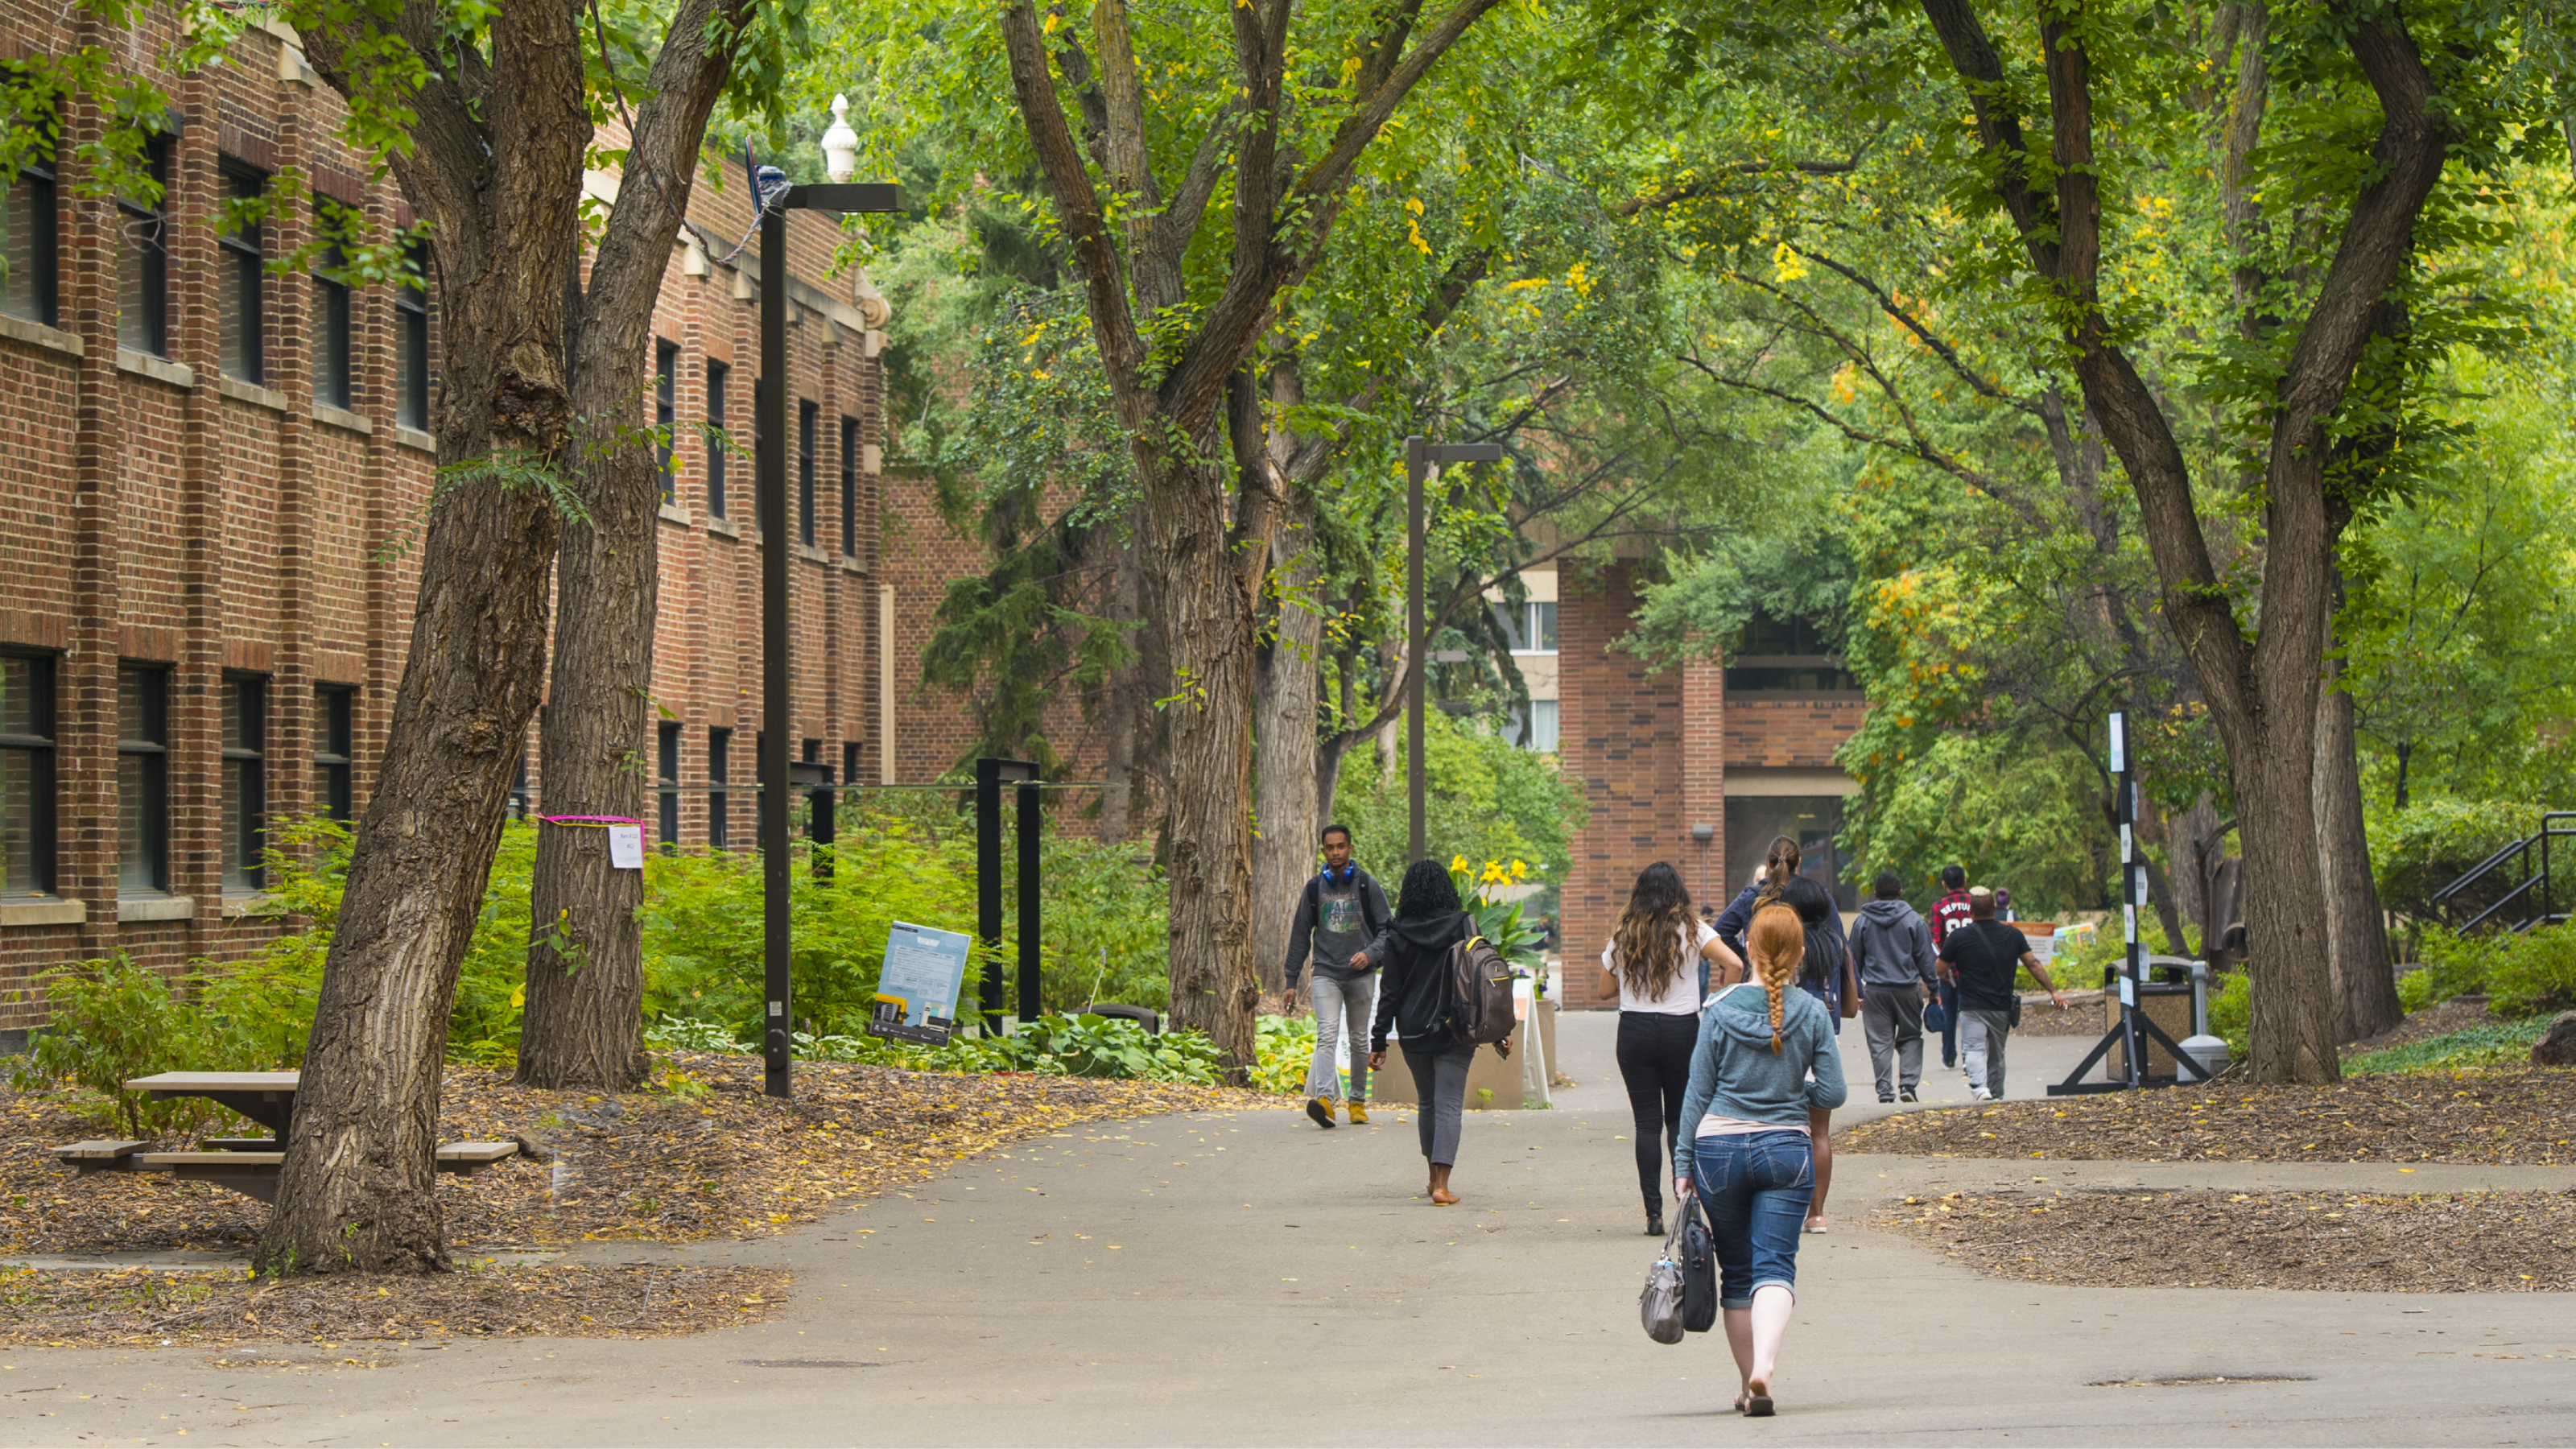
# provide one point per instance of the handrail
(2521, 851)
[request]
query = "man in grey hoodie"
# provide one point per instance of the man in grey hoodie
(1893, 947)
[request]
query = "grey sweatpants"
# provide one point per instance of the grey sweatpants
(1337, 1003)
(1891, 1020)
(1440, 1094)
(1981, 1048)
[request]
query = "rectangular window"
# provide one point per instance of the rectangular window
(1527, 628)
(26, 774)
(667, 777)
(1785, 656)
(334, 751)
(143, 259)
(1812, 820)
(331, 313)
(1536, 730)
(1542, 630)
(666, 412)
(143, 777)
(849, 487)
(245, 707)
(719, 747)
(850, 762)
(717, 376)
(241, 309)
(411, 340)
(33, 228)
(806, 413)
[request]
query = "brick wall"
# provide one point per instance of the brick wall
(1789, 733)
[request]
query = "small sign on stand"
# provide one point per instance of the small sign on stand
(917, 989)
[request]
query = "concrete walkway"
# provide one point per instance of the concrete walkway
(1247, 1279)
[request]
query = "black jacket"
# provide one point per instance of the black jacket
(1413, 987)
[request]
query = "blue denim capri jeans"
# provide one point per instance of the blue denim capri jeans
(1755, 1189)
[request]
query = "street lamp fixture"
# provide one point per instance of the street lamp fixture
(840, 144)
(777, 198)
(1420, 457)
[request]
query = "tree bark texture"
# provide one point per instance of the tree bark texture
(585, 984)
(1177, 397)
(495, 165)
(2365, 984)
(1120, 712)
(1290, 681)
(2261, 693)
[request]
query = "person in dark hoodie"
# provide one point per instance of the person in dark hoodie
(1893, 949)
(1412, 957)
(1824, 973)
(1763, 1069)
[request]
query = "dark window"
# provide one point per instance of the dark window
(26, 774)
(850, 762)
(331, 314)
(143, 777)
(518, 807)
(1785, 656)
(667, 777)
(334, 750)
(719, 747)
(411, 342)
(1814, 820)
(666, 412)
(143, 259)
(34, 229)
(245, 781)
(849, 487)
(806, 413)
(242, 308)
(717, 376)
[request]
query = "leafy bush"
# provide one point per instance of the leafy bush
(114, 1021)
(1282, 1048)
(2505, 1044)
(2531, 972)
(1054, 1045)
(2231, 1013)
(1107, 916)
(2431, 843)
(1487, 800)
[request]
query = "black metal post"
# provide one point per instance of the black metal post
(769, 424)
(2133, 880)
(988, 889)
(1030, 1007)
(770, 434)
(1416, 462)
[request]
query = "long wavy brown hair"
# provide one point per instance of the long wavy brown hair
(1777, 942)
(1650, 942)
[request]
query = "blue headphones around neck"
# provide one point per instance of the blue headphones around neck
(1349, 872)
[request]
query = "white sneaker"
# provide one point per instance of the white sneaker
(1980, 1094)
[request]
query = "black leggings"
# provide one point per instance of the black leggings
(1654, 1060)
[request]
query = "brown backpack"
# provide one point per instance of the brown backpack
(1480, 993)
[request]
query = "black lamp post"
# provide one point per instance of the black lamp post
(1419, 458)
(777, 199)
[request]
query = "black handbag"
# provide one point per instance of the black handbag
(2012, 1013)
(1699, 1270)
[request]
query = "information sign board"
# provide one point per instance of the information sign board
(917, 990)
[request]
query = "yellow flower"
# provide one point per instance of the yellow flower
(1457, 862)
(1519, 871)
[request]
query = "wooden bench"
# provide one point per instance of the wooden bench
(244, 1168)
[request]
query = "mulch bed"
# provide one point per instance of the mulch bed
(704, 1155)
(2525, 1116)
(2082, 1016)
(158, 1309)
(2498, 1242)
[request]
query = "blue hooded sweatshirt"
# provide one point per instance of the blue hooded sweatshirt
(1734, 1073)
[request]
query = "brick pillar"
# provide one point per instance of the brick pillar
(1621, 732)
(196, 693)
(1703, 741)
(85, 687)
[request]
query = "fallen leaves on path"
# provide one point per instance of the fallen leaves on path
(2495, 1242)
(2501, 1116)
(158, 1309)
(705, 1155)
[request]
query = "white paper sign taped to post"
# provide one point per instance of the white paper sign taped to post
(626, 847)
(917, 989)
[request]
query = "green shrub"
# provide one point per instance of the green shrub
(2431, 843)
(2231, 1013)
(1283, 1046)
(2534, 971)
(114, 1021)
(1107, 917)
(2505, 1044)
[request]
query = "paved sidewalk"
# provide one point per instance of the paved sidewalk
(1247, 1279)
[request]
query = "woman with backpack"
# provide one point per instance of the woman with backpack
(1658, 964)
(1762, 1068)
(1414, 999)
(1826, 973)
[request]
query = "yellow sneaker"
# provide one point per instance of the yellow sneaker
(1359, 1111)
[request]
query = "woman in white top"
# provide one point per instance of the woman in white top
(1658, 962)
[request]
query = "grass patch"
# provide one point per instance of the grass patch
(2502, 1044)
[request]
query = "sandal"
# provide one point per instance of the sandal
(1444, 1199)
(1816, 1225)
(1757, 1401)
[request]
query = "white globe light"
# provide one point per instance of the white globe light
(841, 144)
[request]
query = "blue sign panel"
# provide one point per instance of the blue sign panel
(917, 990)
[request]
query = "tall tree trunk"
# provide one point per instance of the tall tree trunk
(1289, 680)
(495, 174)
(1120, 715)
(584, 1019)
(2365, 985)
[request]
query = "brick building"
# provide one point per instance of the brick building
(201, 626)
(1700, 765)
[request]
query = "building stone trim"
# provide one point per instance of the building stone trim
(19, 329)
(43, 911)
(675, 513)
(250, 392)
(130, 909)
(159, 369)
(414, 439)
(344, 419)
